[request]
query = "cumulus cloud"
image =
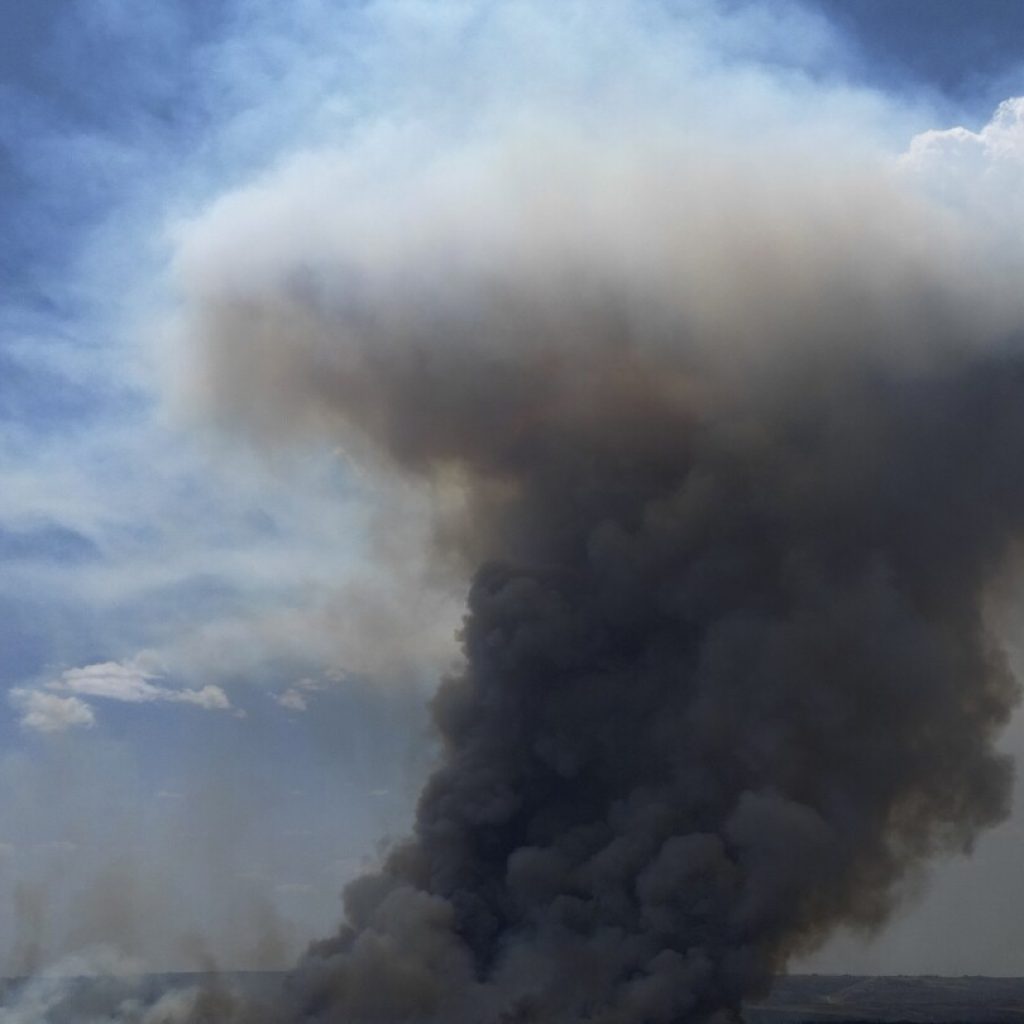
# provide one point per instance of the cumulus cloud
(49, 712)
(960, 152)
(977, 175)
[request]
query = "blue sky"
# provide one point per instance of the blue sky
(216, 650)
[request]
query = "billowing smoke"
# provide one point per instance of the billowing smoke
(728, 437)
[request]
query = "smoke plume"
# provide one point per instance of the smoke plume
(727, 437)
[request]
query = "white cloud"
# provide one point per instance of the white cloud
(60, 704)
(213, 698)
(977, 174)
(50, 713)
(293, 700)
(110, 680)
(132, 682)
(1000, 141)
(296, 697)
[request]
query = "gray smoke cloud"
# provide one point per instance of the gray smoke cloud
(726, 435)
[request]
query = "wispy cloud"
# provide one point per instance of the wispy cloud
(63, 703)
(133, 684)
(296, 697)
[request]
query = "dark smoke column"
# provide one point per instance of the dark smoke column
(727, 682)
(734, 492)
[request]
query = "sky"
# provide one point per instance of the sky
(217, 645)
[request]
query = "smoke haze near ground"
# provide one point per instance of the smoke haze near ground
(723, 427)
